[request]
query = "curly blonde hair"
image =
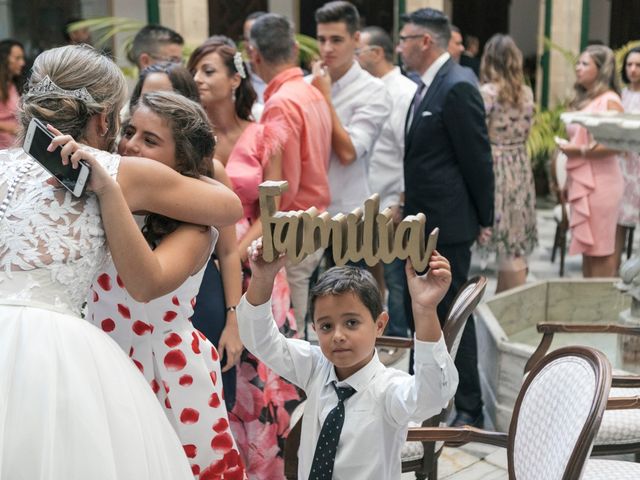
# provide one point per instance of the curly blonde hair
(501, 65)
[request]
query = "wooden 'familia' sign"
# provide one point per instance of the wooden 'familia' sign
(368, 235)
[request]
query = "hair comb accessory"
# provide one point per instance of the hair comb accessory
(239, 64)
(46, 85)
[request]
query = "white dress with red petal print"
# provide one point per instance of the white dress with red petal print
(72, 406)
(179, 363)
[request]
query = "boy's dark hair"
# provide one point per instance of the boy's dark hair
(149, 38)
(623, 73)
(433, 20)
(379, 38)
(339, 11)
(273, 36)
(340, 280)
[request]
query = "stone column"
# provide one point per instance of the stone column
(412, 5)
(288, 8)
(5, 19)
(190, 18)
(565, 32)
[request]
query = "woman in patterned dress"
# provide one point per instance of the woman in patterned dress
(594, 180)
(509, 108)
(251, 154)
(629, 161)
(179, 363)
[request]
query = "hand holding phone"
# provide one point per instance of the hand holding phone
(36, 143)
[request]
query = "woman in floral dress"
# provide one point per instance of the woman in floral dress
(181, 366)
(629, 161)
(251, 154)
(509, 108)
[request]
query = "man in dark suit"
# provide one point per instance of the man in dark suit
(448, 172)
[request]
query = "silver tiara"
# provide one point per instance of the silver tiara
(46, 85)
(239, 64)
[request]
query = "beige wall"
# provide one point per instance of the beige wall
(566, 27)
(412, 5)
(188, 17)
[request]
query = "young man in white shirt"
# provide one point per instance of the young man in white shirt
(386, 172)
(358, 411)
(359, 104)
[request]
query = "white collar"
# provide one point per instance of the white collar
(348, 77)
(428, 76)
(360, 379)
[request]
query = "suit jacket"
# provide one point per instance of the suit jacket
(448, 167)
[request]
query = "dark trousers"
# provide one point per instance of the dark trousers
(210, 317)
(468, 396)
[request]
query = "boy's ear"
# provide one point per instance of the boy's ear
(381, 323)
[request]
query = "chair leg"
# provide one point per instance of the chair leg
(433, 474)
(556, 240)
(563, 251)
(630, 231)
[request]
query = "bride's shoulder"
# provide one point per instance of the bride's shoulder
(110, 161)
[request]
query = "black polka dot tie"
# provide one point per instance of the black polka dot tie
(325, 455)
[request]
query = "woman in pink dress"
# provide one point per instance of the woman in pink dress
(11, 65)
(178, 362)
(251, 154)
(595, 182)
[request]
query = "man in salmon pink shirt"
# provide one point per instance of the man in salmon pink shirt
(299, 110)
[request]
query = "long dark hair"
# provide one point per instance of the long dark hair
(181, 80)
(5, 76)
(195, 145)
(224, 47)
(623, 73)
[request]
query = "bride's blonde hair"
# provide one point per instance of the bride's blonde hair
(73, 68)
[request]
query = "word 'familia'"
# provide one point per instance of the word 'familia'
(370, 235)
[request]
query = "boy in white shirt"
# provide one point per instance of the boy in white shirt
(358, 411)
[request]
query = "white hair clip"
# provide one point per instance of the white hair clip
(239, 64)
(46, 86)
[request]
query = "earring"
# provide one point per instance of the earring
(233, 95)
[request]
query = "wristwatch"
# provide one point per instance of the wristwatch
(232, 308)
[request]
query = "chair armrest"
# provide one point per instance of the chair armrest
(587, 328)
(457, 435)
(549, 329)
(625, 381)
(394, 342)
(623, 403)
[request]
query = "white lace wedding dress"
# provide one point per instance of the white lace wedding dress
(72, 404)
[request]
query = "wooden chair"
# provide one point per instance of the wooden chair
(561, 210)
(620, 429)
(419, 457)
(555, 419)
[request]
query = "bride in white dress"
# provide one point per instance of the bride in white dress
(72, 405)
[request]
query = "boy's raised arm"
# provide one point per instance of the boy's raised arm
(426, 293)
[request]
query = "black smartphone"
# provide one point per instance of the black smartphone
(35, 144)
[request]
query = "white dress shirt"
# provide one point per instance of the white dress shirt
(386, 171)
(376, 416)
(431, 72)
(427, 79)
(363, 105)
